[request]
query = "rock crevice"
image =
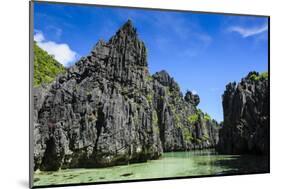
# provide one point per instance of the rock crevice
(246, 116)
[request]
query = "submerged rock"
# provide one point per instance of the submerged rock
(246, 116)
(107, 110)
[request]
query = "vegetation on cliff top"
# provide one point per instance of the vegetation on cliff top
(46, 68)
(257, 77)
(192, 119)
(207, 117)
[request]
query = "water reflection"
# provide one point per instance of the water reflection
(244, 164)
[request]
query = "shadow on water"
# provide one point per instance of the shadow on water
(188, 154)
(242, 164)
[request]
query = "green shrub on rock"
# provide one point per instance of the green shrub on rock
(207, 117)
(46, 68)
(257, 77)
(187, 135)
(193, 118)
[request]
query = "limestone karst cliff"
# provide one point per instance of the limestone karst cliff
(182, 125)
(246, 116)
(108, 110)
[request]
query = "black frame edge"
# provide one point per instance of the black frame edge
(268, 63)
(31, 108)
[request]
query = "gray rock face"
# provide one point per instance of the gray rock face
(246, 117)
(182, 125)
(107, 110)
(193, 99)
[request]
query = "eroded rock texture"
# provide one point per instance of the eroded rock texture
(182, 126)
(108, 110)
(246, 117)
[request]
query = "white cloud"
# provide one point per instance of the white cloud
(247, 32)
(38, 36)
(194, 92)
(61, 51)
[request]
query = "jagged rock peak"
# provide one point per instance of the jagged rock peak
(163, 73)
(192, 98)
(127, 44)
(100, 43)
(246, 116)
(252, 73)
(128, 29)
(165, 79)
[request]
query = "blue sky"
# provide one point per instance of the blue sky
(203, 52)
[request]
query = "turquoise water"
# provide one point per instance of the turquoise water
(172, 164)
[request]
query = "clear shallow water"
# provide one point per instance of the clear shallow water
(172, 164)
